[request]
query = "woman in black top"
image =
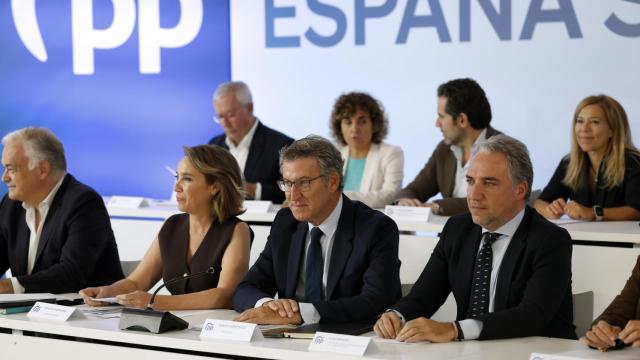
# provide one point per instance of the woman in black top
(600, 178)
(208, 234)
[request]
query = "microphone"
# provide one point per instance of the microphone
(176, 279)
(157, 321)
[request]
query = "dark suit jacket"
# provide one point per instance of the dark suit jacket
(263, 163)
(76, 249)
(363, 277)
(626, 306)
(533, 293)
(438, 176)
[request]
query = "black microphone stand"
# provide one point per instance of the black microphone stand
(157, 321)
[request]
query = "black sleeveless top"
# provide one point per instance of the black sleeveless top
(174, 245)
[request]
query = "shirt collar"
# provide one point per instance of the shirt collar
(510, 227)
(457, 150)
(330, 224)
(246, 140)
(46, 202)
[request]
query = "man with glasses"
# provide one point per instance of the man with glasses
(329, 259)
(254, 146)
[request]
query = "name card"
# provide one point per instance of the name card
(257, 206)
(230, 330)
(53, 312)
(126, 202)
(341, 344)
(408, 213)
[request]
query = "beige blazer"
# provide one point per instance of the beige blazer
(382, 176)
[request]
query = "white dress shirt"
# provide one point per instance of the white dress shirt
(460, 184)
(308, 312)
(240, 152)
(34, 233)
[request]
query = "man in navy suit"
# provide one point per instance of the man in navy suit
(508, 268)
(329, 259)
(254, 146)
(55, 233)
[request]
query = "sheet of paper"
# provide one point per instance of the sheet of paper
(111, 300)
(103, 312)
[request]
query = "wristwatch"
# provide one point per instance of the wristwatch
(599, 212)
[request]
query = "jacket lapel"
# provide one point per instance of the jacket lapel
(22, 247)
(510, 261)
(342, 245)
(255, 149)
(47, 227)
(468, 254)
(296, 251)
(367, 173)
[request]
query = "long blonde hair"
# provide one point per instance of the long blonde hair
(613, 161)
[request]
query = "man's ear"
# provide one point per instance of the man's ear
(521, 191)
(463, 120)
(44, 169)
(334, 182)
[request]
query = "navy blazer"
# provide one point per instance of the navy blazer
(77, 248)
(533, 294)
(263, 161)
(364, 269)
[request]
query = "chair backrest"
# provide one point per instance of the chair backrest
(128, 266)
(583, 311)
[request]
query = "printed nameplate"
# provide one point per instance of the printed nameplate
(257, 206)
(341, 344)
(126, 202)
(53, 312)
(230, 330)
(408, 213)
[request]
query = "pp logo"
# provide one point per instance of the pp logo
(36, 308)
(86, 38)
(208, 326)
(318, 340)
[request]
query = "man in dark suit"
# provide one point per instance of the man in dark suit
(464, 115)
(254, 146)
(328, 258)
(508, 267)
(55, 233)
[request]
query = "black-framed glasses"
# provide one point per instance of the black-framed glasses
(301, 184)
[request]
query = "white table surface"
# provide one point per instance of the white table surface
(188, 340)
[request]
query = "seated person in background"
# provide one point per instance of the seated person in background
(508, 267)
(601, 175)
(464, 115)
(55, 232)
(373, 170)
(209, 191)
(328, 258)
(254, 146)
(621, 319)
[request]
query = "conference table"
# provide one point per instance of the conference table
(604, 253)
(98, 339)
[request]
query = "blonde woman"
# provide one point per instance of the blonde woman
(600, 178)
(208, 234)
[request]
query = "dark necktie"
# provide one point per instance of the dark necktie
(481, 284)
(314, 268)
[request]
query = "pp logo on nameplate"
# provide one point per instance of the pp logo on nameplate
(230, 330)
(53, 312)
(341, 344)
(408, 213)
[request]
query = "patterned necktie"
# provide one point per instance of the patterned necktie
(480, 286)
(314, 268)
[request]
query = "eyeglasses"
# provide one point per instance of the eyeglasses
(301, 185)
(229, 115)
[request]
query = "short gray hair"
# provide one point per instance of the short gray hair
(39, 144)
(516, 154)
(328, 156)
(238, 88)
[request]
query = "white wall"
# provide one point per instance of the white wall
(533, 85)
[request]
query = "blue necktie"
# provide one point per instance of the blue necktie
(314, 269)
(481, 284)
